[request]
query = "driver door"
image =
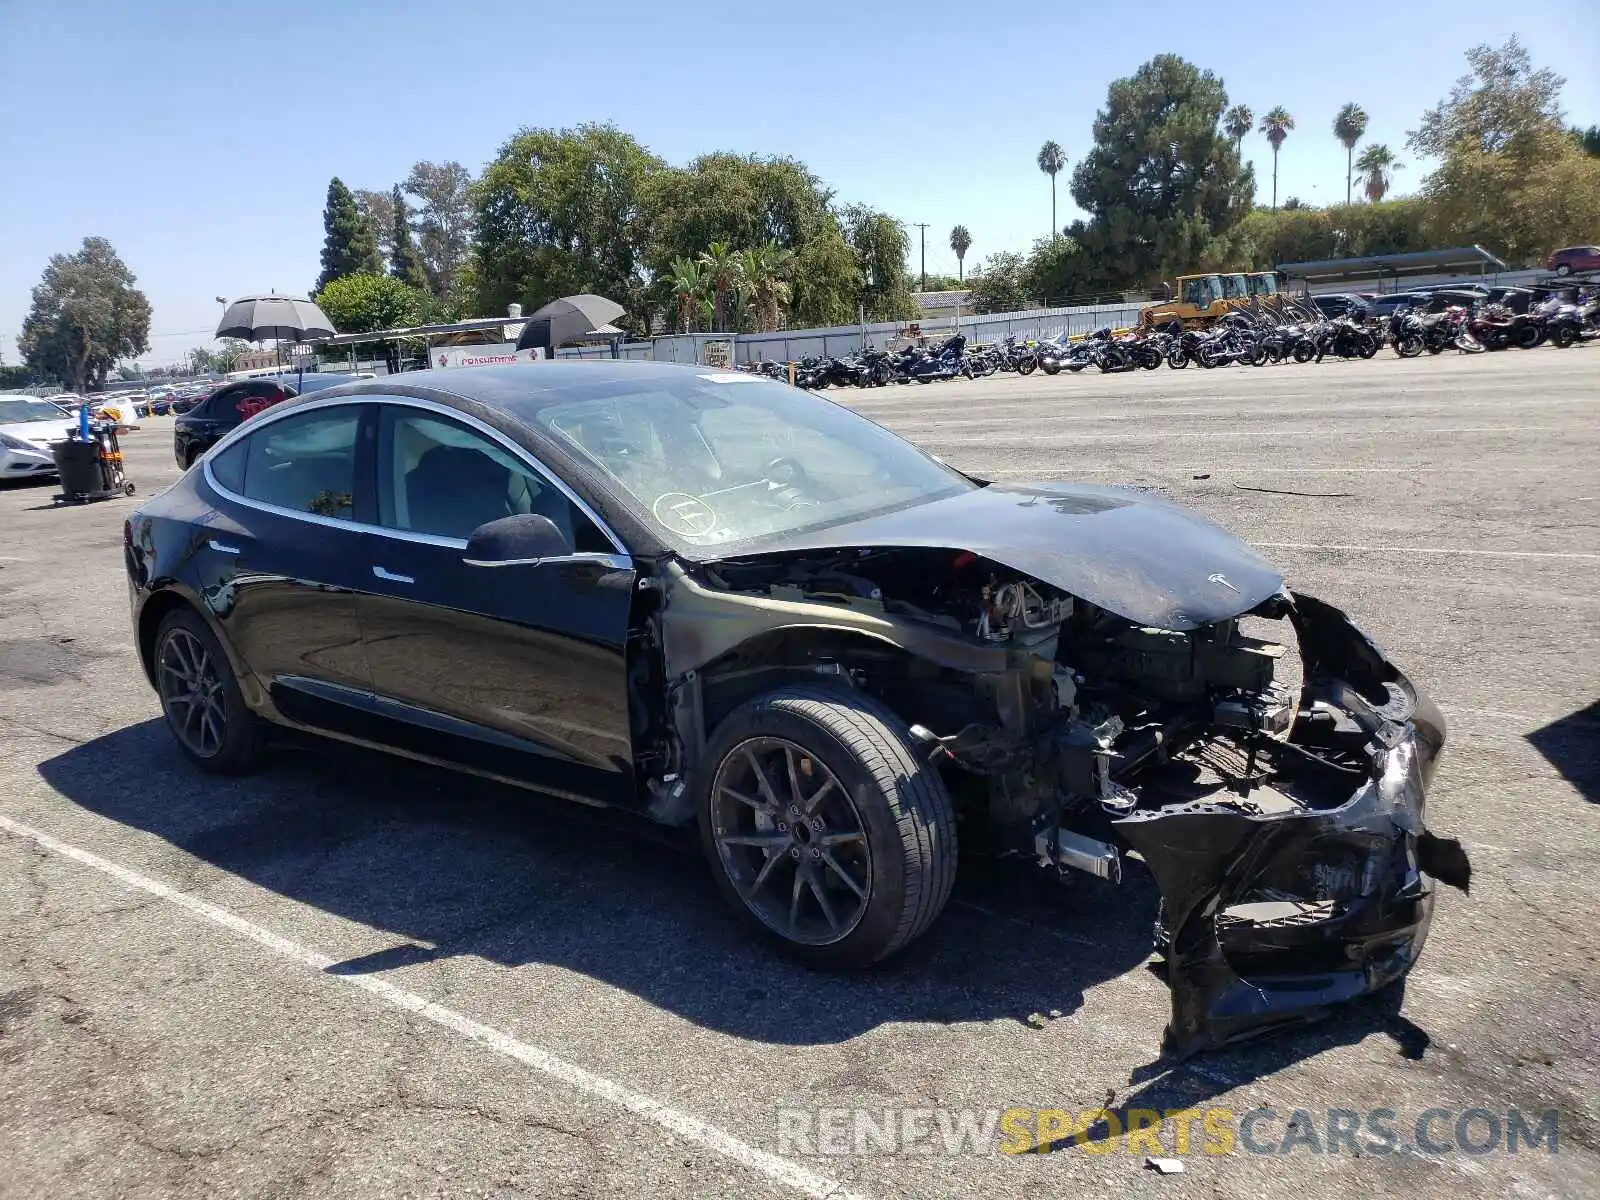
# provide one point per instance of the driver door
(516, 669)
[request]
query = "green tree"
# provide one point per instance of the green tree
(1349, 127)
(1162, 181)
(561, 212)
(444, 220)
(350, 246)
(1376, 168)
(378, 210)
(960, 243)
(1000, 284)
(688, 282)
(1276, 125)
(86, 315)
(1509, 175)
(1052, 161)
(405, 264)
(724, 271)
(368, 301)
(1588, 140)
(766, 272)
(881, 244)
(827, 278)
(1237, 122)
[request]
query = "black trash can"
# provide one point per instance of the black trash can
(82, 473)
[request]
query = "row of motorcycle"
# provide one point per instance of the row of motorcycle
(1290, 331)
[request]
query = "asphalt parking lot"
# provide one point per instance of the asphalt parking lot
(352, 976)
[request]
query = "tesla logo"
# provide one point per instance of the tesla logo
(1221, 580)
(685, 513)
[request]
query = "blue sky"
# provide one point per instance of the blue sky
(199, 135)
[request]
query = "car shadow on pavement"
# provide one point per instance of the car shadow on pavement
(455, 866)
(1572, 746)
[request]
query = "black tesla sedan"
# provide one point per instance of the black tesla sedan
(731, 604)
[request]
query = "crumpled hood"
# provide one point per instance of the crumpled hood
(1128, 552)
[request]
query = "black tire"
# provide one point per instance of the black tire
(904, 812)
(1527, 337)
(1563, 336)
(1026, 364)
(242, 740)
(1178, 360)
(1366, 345)
(1410, 345)
(1304, 351)
(1564, 270)
(1050, 368)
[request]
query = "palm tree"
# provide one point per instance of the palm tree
(723, 269)
(1348, 127)
(765, 270)
(1237, 122)
(1276, 125)
(961, 242)
(1376, 166)
(689, 286)
(1051, 162)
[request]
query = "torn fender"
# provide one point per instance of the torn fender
(1273, 918)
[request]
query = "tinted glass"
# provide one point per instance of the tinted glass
(306, 463)
(438, 477)
(228, 467)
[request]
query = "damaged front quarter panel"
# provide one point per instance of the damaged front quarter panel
(1271, 918)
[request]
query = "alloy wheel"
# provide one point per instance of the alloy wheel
(192, 693)
(791, 841)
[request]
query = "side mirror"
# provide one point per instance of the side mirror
(520, 540)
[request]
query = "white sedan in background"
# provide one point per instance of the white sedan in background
(29, 429)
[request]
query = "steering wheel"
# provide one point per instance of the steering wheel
(791, 481)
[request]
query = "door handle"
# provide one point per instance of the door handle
(220, 548)
(391, 576)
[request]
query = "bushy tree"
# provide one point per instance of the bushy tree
(378, 210)
(881, 244)
(350, 246)
(444, 220)
(405, 264)
(1162, 181)
(561, 212)
(1000, 284)
(86, 315)
(1509, 174)
(369, 301)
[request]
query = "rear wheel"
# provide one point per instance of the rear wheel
(1563, 336)
(824, 827)
(200, 697)
(1527, 337)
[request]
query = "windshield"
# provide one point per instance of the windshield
(716, 458)
(1234, 287)
(1263, 285)
(14, 412)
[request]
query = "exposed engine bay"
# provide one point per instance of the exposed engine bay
(1276, 797)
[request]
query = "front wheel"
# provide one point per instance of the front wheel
(1564, 270)
(1527, 337)
(1026, 364)
(1563, 336)
(1177, 360)
(1304, 351)
(1366, 345)
(824, 827)
(1409, 345)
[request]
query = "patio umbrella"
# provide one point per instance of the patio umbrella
(280, 318)
(569, 318)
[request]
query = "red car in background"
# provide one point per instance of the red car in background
(1574, 258)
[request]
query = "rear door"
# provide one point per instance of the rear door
(278, 559)
(519, 670)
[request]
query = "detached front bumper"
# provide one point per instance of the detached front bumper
(1272, 918)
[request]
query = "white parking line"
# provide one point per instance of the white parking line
(772, 1166)
(1426, 550)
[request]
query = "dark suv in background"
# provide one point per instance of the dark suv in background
(209, 421)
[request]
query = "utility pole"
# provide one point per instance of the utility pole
(923, 226)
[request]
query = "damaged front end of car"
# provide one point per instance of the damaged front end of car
(1087, 679)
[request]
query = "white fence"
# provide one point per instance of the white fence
(792, 345)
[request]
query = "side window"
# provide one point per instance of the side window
(306, 463)
(440, 478)
(228, 467)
